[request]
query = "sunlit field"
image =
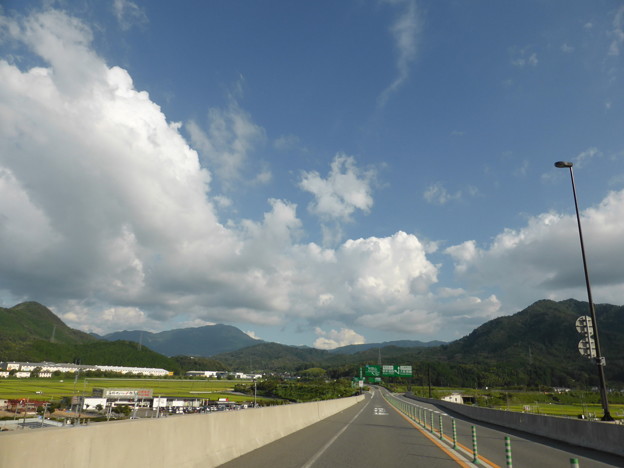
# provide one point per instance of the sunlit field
(551, 409)
(54, 389)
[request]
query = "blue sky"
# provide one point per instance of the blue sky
(320, 173)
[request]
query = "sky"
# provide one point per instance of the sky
(314, 173)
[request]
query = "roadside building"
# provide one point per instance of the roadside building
(46, 369)
(454, 398)
(141, 397)
(223, 375)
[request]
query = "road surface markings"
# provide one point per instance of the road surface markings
(318, 454)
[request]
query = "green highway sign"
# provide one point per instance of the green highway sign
(396, 371)
(387, 371)
(372, 371)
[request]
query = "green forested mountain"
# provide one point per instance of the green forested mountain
(30, 332)
(31, 320)
(27, 328)
(197, 341)
(273, 357)
(532, 348)
(191, 363)
(351, 349)
(537, 346)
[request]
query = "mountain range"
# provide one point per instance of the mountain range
(536, 346)
(198, 341)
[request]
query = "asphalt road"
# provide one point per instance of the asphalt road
(369, 434)
(373, 433)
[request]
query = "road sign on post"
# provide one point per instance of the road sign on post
(587, 347)
(584, 325)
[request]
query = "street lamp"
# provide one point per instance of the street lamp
(599, 360)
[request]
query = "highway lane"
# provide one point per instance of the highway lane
(369, 434)
(527, 450)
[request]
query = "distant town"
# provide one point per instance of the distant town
(138, 402)
(48, 369)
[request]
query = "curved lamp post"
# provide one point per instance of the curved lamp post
(600, 361)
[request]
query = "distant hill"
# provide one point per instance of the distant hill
(31, 320)
(31, 332)
(536, 346)
(273, 357)
(23, 325)
(544, 330)
(198, 341)
(351, 349)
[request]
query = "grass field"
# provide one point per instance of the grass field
(588, 410)
(55, 389)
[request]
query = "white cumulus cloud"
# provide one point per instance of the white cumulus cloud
(543, 259)
(108, 215)
(337, 338)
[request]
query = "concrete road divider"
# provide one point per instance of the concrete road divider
(190, 441)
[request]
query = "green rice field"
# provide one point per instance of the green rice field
(55, 389)
(551, 409)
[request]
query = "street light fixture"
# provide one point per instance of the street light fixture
(599, 360)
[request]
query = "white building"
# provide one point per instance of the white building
(152, 371)
(454, 398)
(208, 374)
(223, 375)
(51, 367)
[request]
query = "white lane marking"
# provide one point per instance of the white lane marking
(318, 454)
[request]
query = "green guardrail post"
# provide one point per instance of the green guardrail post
(574, 463)
(441, 428)
(508, 452)
(475, 455)
(431, 422)
(454, 434)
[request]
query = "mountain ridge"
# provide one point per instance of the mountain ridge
(537, 345)
(202, 341)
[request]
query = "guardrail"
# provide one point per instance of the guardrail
(596, 435)
(425, 418)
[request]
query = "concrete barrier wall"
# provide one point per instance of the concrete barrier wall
(606, 437)
(189, 441)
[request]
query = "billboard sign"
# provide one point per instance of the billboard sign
(123, 393)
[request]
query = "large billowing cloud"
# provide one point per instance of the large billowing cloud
(108, 216)
(543, 259)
